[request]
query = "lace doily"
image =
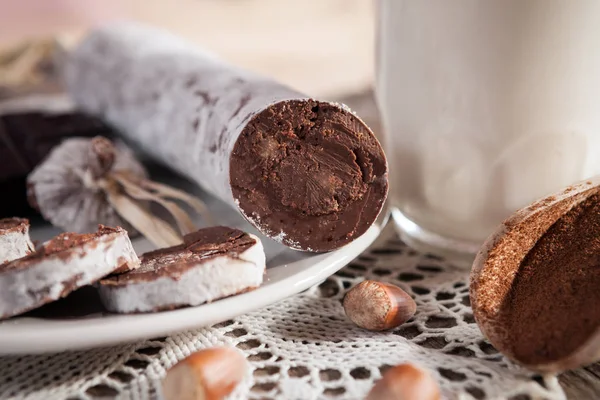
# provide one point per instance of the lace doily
(305, 348)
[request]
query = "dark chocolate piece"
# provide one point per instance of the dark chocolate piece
(26, 138)
(535, 283)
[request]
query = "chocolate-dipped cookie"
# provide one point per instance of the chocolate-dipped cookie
(535, 284)
(63, 264)
(14, 239)
(305, 172)
(212, 263)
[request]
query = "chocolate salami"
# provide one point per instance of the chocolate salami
(305, 172)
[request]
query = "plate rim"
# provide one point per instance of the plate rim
(24, 336)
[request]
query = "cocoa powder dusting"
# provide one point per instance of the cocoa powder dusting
(550, 309)
(542, 203)
(505, 256)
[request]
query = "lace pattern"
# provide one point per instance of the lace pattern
(305, 348)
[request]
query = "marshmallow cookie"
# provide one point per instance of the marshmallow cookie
(63, 264)
(14, 239)
(305, 172)
(212, 263)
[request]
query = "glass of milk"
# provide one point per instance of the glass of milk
(487, 106)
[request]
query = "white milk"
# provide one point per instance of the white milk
(487, 105)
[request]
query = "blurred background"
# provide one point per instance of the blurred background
(321, 47)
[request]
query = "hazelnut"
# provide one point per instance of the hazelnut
(209, 374)
(378, 306)
(405, 382)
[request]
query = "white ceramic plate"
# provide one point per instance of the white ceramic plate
(79, 322)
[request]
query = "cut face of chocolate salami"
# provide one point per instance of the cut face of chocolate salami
(63, 264)
(211, 263)
(14, 239)
(535, 285)
(307, 173)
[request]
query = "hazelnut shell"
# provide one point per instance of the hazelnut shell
(378, 306)
(405, 382)
(209, 374)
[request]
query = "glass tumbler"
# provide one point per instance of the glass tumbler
(486, 106)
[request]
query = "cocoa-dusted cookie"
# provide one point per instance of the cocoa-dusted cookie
(14, 239)
(305, 172)
(62, 265)
(535, 284)
(212, 263)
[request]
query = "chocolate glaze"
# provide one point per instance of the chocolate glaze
(198, 247)
(310, 171)
(61, 245)
(13, 225)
